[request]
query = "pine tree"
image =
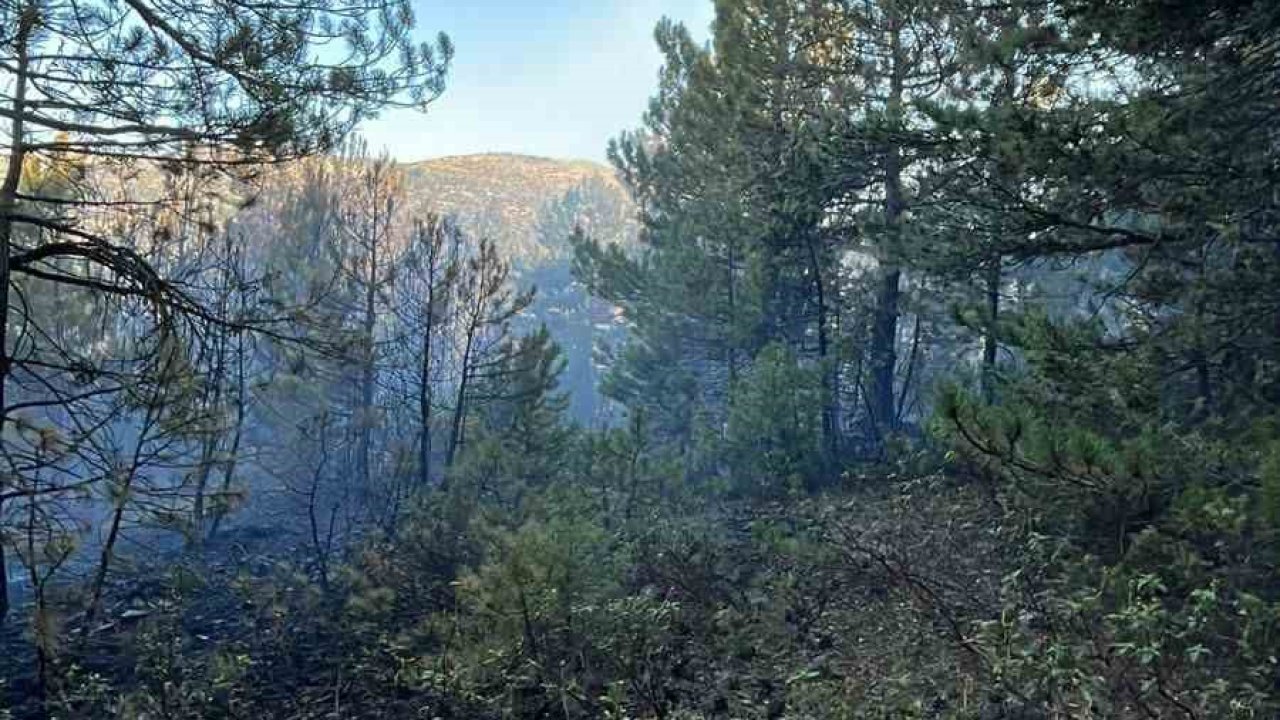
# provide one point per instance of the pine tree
(487, 304)
(136, 84)
(426, 298)
(368, 241)
(524, 410)
(1139, 427)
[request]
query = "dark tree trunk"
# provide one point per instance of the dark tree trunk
(364, 450)
(424, 409)
(425, 398)
(991, 340)
(459, 406)
(830, 435)
(233, 452)
(884, 334)
(884, 352)
(8, 204)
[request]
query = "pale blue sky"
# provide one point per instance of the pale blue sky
(542, 77)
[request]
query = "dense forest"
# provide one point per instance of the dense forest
(915, 359)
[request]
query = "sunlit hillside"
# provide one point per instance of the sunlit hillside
(504, 197)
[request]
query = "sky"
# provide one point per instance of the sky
(556, 78)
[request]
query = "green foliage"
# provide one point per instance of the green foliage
(1169, 633)
(772, 439)
(1269, 489)
(628, 475)
(1102, 540)
(525, 609)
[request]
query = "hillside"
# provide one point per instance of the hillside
(530, 206)
(510, 198)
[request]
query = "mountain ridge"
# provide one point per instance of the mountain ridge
(509, 197)
(498, 154)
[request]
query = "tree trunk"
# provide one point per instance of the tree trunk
(213, 406)
(4, 577)
(320, 548)
(117, 514)
(197, 537)
(995, 265)
(8, 204)
(830, 436)
(884, 335)
(104, 560)
(991, 341)
(424, 412)
(731, 340)
(459, 407)
(884, 352)
(209, 447)
(233, 452)
(424, 388)
(364, 451)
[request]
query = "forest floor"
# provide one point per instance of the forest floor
(836, 595)
(142, 586)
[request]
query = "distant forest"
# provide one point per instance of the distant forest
(914, 359)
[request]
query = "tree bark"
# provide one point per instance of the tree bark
(117, 514)
(830, 434)
(990, 340)
(364, 451)
(233, 452)
(884, 335)
(434, 246)
(424, 403)
(8, 205)
(459, 406)
(884, 353)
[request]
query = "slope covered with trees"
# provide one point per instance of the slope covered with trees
(530, 208)
(948, 386)
(508, 198)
